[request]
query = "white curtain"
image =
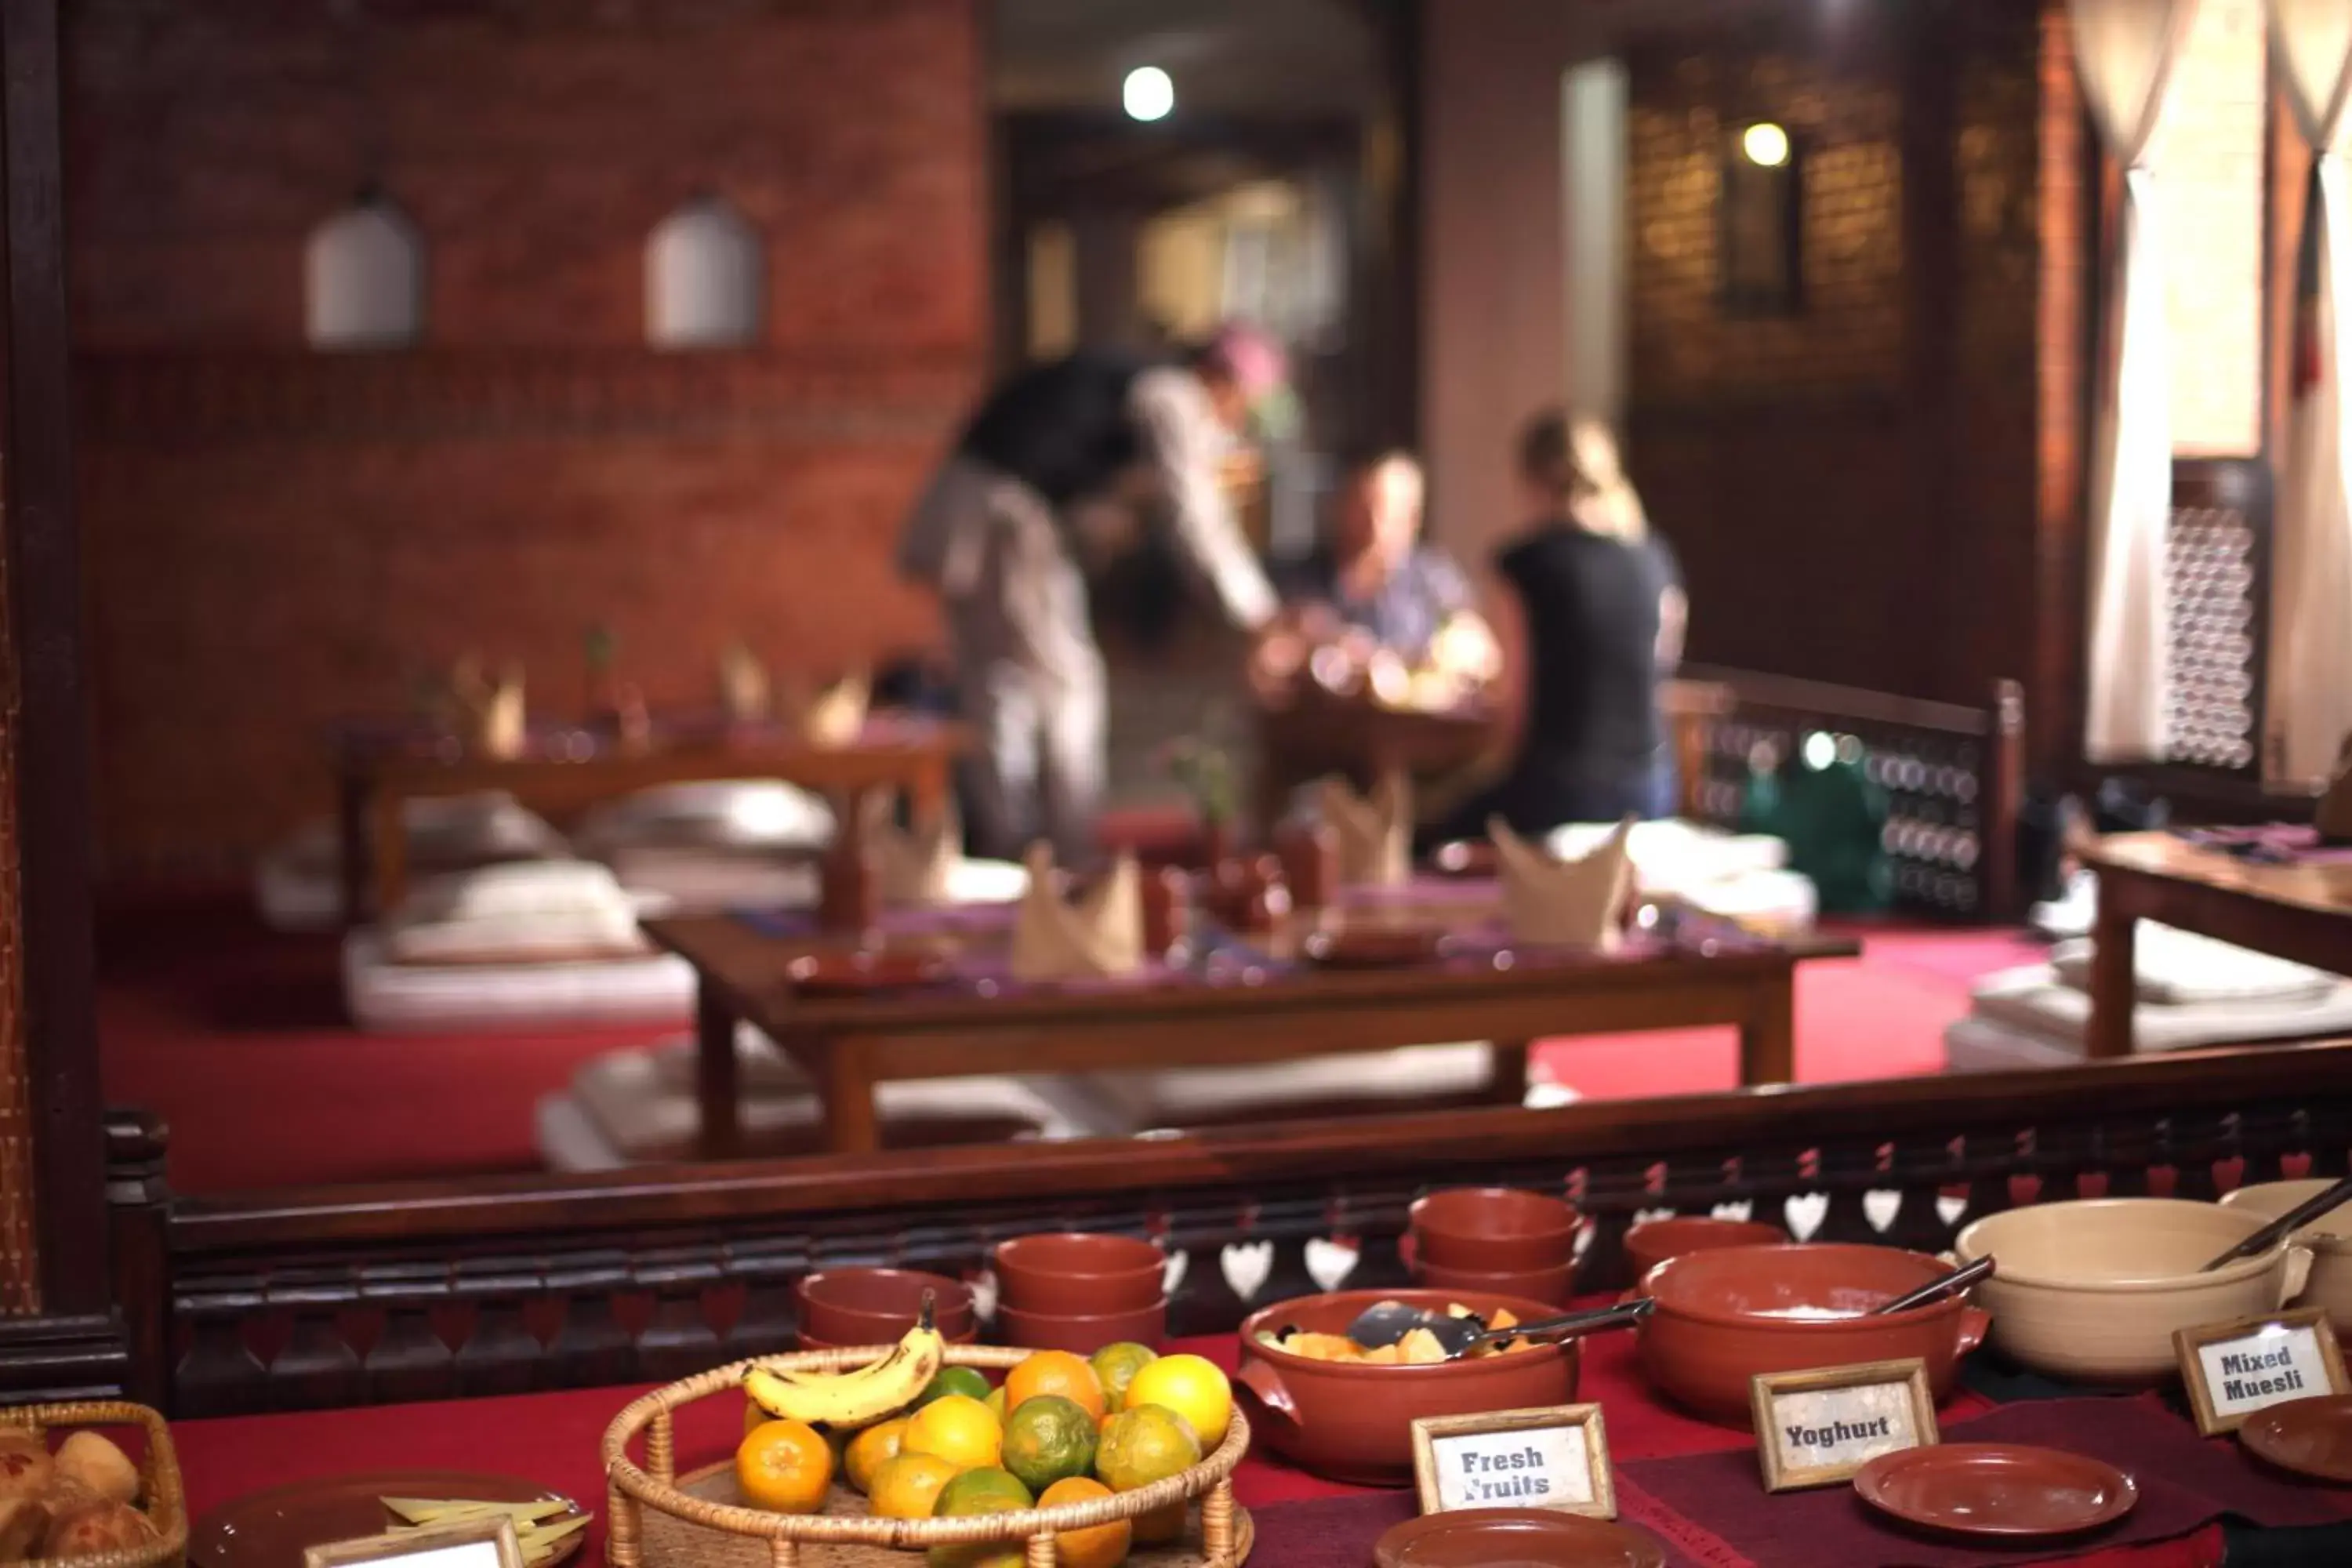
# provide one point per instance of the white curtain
(2311, 662)
(2125, 50)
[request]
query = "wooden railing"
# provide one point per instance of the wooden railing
(426, 1290)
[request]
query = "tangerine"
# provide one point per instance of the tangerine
(1055, 1372)
(909, 1487)
(981, 1492)
(1116, 1366)
(785, 1466)
(1049, 1439)
(1143, 1444)
(1100, 1546)
(870, 1450)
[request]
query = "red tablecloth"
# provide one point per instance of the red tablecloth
(553, 1439)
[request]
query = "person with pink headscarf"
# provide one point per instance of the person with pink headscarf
(999, 536)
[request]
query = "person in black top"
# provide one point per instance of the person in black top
(1601, 600)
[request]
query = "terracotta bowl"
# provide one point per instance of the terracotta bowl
(1494, 1230)
(1354, 1423)
(875, 1306)
(1647, 1245)
(1070, 1274)
(1553, 1285)
(1083, 1333)
(1716, 1324)
(2329, 1238)
(2093, 1290)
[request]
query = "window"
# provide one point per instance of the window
(365, 278)
(703, 282)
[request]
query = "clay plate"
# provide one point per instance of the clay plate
(1520, 1537)
(856, 973)
(2310, 1436)
(1997, 1490)
(273, 1529)
(1375, 948)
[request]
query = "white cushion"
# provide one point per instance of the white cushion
(516, 912)
(2037, 1001)
(1673, 856)
(624, 1095)
(1187, 1097)
(2181, 966)
(568, 1141)
(1781, 903)
(1983, 1044)
(717, 814)
(2071, 915)
(711, 881)
(416, 998)
(761, 1065)
(297, 883)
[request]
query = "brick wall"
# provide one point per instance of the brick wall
(278, 538)
(1855, 490)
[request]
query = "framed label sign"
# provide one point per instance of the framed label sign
(477, 1543)
(1817, 1428)
(1555, 1459)
(2235, 1369)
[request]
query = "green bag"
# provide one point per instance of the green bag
(1834, 819)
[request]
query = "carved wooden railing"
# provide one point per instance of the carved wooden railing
(430, 1291)
(1954, 776)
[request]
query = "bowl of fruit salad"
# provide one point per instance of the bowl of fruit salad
(1335, 1383)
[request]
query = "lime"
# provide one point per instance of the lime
(964, 1380)
(1116, 1366)
(1050, 1438)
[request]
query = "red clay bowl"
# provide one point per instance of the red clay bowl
(875, 1306)
(1494, 1230)
(1713, 1327)
(1351, 1423)
(1081, 1334)
(1647, 1245)
(1070, 1274)
(1554, 1286)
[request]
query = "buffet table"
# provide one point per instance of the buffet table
(567, 769)
(2294, 903)
(1255, 1014)
(1694, 1486)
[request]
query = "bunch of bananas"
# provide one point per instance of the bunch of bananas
(848, 1400)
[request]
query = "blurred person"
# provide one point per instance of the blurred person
(1038, 482)
(1599, 596)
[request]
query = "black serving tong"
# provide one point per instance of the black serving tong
(2287, 1224)
(1936, 1289)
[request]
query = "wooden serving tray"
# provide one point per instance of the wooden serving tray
(673, 1542)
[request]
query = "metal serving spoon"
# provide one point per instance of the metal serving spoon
(1388, 1321)
(1936, 1289)
(2295, 1219)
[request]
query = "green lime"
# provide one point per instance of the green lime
(964, 1380)
(1116, 1366)
(977, 1491)
(1050, 1438)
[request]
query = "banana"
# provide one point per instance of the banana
(851, 1399)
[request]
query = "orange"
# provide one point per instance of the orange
(1105, 1545)
(957, 1428)
(1055, 1372)
(981, 1492)
(785, 1466)
(1116, 1366)
(909, 1487)
(870, 1450)
(1049, 1439)
(1191, 1387)
(1144, 1444)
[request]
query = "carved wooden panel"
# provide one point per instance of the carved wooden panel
(19, 1260)
(2213, 613)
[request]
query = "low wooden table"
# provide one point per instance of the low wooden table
(2302, 913)
(566, 771)
(850, 1045)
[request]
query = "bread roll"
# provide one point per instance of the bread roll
(25, 1472)
(93, 1462)
(23, 1522)
(13, 1435)
(102, 1525)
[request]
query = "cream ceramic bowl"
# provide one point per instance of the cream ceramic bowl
(2329, 1238)
(2091, 1291)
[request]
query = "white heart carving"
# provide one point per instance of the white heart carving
(984, 1295)
(1739, 1211)
(1584, 1235)
(1177, 1263)
(1880, 1209)
(1248, 1265)
(1949, 1209)
(1644, 1216)
(1328, 1263)
(1805, 1214)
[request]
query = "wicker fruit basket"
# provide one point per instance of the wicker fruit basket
(162, 1497)
(660, 1518)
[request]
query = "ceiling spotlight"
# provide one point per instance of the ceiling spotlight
(1766, 144)
(1150, 94)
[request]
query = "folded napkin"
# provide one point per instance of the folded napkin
(837, 715)
(1566, 903)
(912, 866)
(1097, 936)
(1374, 834)
(490, 713)
(743, 685)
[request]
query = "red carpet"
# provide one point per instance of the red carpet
(237, 1040)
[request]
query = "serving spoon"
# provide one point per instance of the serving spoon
(1388, 1322)
(1936, 1289)
(2295, 1219)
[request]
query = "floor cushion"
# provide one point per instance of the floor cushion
(2178, 966)
(713, 880)
(717, 814)
(1410, 1078)
(2034, 1000)
(299, 884)
(390, 997)
(1772, 903)
(1673, 855)
(525, 911)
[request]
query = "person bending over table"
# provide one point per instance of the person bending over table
(1601, 599)
(999, 536)
(1373, 588)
